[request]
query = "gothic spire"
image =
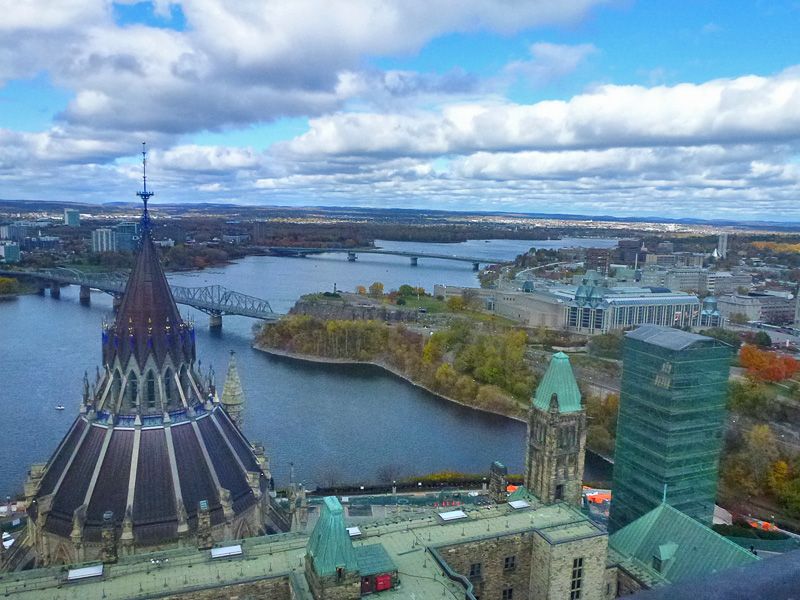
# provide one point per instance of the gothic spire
(232, 393)
(148, 320)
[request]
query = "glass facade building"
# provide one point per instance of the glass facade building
(671, 423)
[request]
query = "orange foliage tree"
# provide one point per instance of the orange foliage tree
(763, 365)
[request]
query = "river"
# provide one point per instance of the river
(332, 423)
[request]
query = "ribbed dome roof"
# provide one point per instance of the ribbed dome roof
(154, 476)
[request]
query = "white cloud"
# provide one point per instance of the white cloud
(549, 62)
(747, 109)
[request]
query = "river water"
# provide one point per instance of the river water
(352, 424)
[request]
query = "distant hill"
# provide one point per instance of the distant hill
(343, 211)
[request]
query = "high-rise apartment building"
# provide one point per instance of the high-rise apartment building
(72, 217)
(126, 235)
(671, 422)
(722, 245)
(104, 240)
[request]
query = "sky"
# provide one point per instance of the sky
(686, 108)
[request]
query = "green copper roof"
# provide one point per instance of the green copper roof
(521, 493)
(330, 544)
(560, 380)
(684, 547)
(374, 560)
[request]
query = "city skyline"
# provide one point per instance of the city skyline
(593, 108)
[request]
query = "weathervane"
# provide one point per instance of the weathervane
(144, 194)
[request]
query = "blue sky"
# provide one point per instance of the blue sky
(588, 106)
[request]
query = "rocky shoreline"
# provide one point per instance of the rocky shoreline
(381, 365)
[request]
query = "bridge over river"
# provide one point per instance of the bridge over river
(352, 254)
(214, 300)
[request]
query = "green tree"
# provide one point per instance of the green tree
(406, 291)
(762, 339)
(738, 318)
(607, 345)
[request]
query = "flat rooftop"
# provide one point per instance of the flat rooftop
(405, 537)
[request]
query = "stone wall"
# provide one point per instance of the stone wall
(276, 588)
(491, 554)
(626, 583)
(551, 578)
(347, 311)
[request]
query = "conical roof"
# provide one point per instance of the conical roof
(330, 545)
(148, 319)
(232, 393)
(559, 380)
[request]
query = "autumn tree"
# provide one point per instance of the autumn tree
(456, 303)
(8, 285)
(376, 290)
(763, 365)
(361, 290)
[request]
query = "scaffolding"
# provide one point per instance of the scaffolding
(671, 423)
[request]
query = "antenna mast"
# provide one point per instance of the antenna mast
(144, 194)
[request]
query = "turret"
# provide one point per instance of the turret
(556, 436)
(232, 394)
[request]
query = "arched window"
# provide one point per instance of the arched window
(185, 382)
(133, 389)
(116, 386)
(151, 390)
(168, 383)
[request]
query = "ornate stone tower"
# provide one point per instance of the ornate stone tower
(556, 436)
(232, 394)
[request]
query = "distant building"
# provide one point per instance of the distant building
(16, 232)
(589, 308)
(686, 279)
(104, 240)
(72, 217)
(710, 315)
(598, 259)
(127, 236)
(235, 239)
(725, 282)
(689, 259)
(9, 252)
(662, 260)
(168, 243)
(665, 247)
(671, 421)
(764, 308)
(629, 252)
(722, 245)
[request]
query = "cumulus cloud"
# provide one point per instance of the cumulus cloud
(742, 110)
(240, 62)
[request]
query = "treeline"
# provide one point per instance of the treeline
(485, 370)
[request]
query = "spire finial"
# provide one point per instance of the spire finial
(144, 194)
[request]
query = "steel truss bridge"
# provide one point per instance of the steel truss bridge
(352, 254)
(214, 300)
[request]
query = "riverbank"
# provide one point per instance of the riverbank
(309, 358)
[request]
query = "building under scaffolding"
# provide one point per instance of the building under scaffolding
(671, 422)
